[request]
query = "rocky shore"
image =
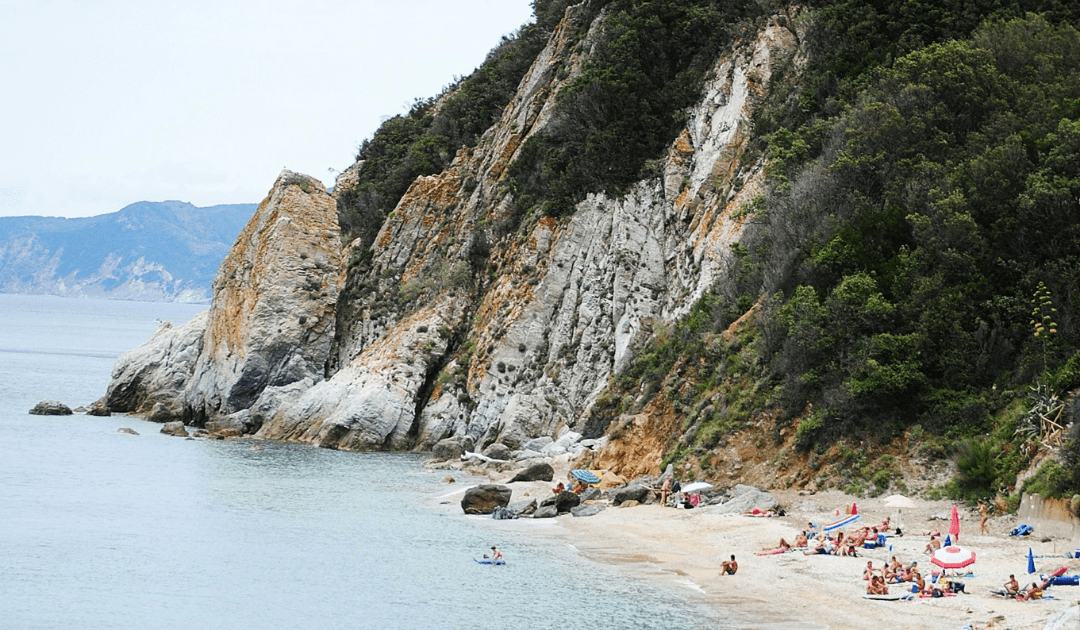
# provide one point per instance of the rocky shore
(682, 549)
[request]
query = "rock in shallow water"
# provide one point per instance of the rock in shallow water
(484, 498)
(50, 408)
(175, 427)
(127, 430)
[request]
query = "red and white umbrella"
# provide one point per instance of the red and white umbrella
(953, 557)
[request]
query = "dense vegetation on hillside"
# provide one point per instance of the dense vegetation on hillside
(425, 140)
(915, 263)
(918, 250)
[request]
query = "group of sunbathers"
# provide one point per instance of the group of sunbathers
(895, 572)
(843, 545)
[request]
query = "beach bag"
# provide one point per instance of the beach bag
(937, 593)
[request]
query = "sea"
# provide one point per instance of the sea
(102, 529)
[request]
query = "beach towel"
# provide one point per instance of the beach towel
(1021, 530)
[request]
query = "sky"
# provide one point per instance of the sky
(107, 102)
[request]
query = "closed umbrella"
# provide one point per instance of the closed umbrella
(953, 557)
(1031, 561)
(954, 525)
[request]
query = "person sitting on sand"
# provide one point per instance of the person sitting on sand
(559, 488)
(1034, 592)
(824, 547)
(917, 578)
(868, 572)
(877, 586)
(933, 545)
(729, 567)
(496, 555)
(1012, 587)
(800, 540)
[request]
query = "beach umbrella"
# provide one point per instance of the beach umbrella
(1031, 561)
(952, 557)
(899, 501)
(697, 486)
(954, 525)
(844, 522)
(584, 476)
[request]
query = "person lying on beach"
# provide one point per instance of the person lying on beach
(824, 547)
(729, 567)
(1012, 587)
(760, 512)
(783, 545)
(933, 545)
(1034, 592)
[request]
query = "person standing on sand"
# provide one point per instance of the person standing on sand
(729, 567)
(982, 513)
(664, 492)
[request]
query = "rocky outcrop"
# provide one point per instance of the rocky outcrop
(175, 427)
(484, 498)
(268, 332)
(272, 318)
(746, 499)
(156, 373)
(50, 408)
(451, 334)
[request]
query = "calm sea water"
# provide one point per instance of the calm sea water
(99, 529)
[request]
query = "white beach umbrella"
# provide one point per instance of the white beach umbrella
(899, 502)
(696, 486)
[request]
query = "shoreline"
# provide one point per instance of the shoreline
(679, 551)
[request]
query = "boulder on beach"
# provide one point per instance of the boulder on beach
(610, 480)
(524, 508)
(547, 511)
(745, 499)
(634, 492)
(175, 427)
(497, 451)
(591, 494)
(540, 471)
(50, 408)
(563, 501)
(450, 448)
(484, 498)
(588, 510)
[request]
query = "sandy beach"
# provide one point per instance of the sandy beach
(682, 550)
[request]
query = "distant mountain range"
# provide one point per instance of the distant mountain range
(166, 251)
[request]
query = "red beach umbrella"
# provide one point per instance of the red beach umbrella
(953, 557)
(954, 524)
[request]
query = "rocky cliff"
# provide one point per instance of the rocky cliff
(447, 324)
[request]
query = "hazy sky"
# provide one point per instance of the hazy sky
(109, 102)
